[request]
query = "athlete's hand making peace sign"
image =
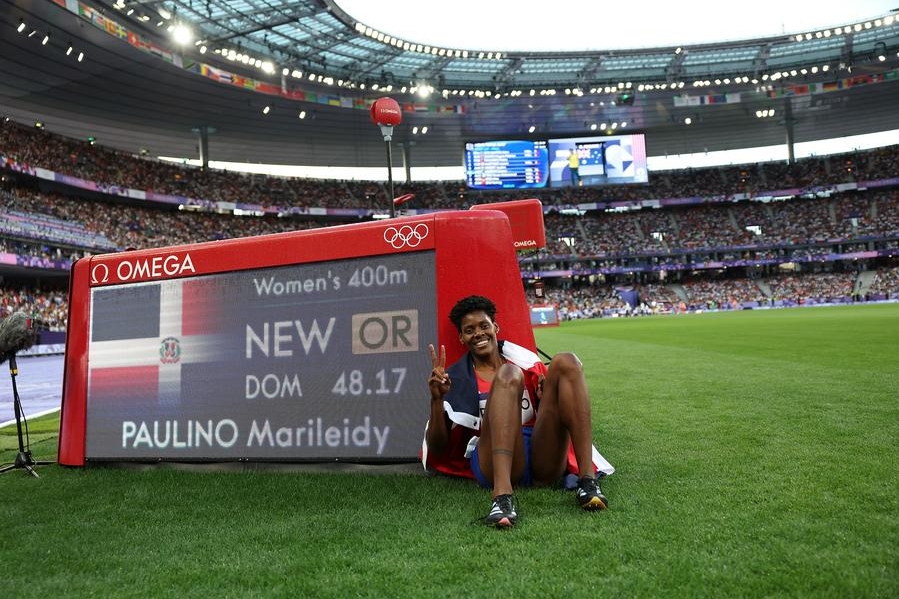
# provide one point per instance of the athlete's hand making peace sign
(438, 382)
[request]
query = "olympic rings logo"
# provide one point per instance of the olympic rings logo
(406, 236)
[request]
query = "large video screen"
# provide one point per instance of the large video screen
(508, 164)
(602, 160)
(529, 164)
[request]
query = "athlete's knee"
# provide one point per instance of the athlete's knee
(567, 363)
(509, 375)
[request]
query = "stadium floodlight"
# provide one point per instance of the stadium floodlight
(182, 34)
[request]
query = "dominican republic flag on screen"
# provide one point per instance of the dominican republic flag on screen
(145, 337)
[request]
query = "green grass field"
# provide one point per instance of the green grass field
(757, 455)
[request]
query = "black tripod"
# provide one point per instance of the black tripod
(23, 458)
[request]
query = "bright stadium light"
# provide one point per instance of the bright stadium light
(182, 34)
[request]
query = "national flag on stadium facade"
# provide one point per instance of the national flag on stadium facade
(115, 29)
(158, 51)
(86, 11)
(268, 88)
(686, 101)
(136, 41)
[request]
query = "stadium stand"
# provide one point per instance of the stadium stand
(815, 245)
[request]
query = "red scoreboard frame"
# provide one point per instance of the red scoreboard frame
(469, 252)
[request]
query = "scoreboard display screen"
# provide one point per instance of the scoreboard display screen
(545, 315)
(509, 164)
(277, 362)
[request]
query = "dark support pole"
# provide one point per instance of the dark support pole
(203, 134)
(390, 180)
(407, 160)
(789, 123)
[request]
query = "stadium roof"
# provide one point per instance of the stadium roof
(289, 82)
(535, 25)
(319, 37)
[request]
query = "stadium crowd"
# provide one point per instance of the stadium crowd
(720, 252)
(33, 148)
(50, 306)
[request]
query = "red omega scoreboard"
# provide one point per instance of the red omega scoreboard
(301, 346)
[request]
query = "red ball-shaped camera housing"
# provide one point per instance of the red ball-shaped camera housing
(386, 111)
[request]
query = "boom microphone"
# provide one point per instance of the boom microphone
(18, 332)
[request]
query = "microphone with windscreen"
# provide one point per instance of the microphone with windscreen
(18, 332)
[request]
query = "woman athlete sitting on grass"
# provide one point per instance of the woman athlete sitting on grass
(499, 415)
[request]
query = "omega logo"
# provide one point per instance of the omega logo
(146, 268)
(99, 274)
